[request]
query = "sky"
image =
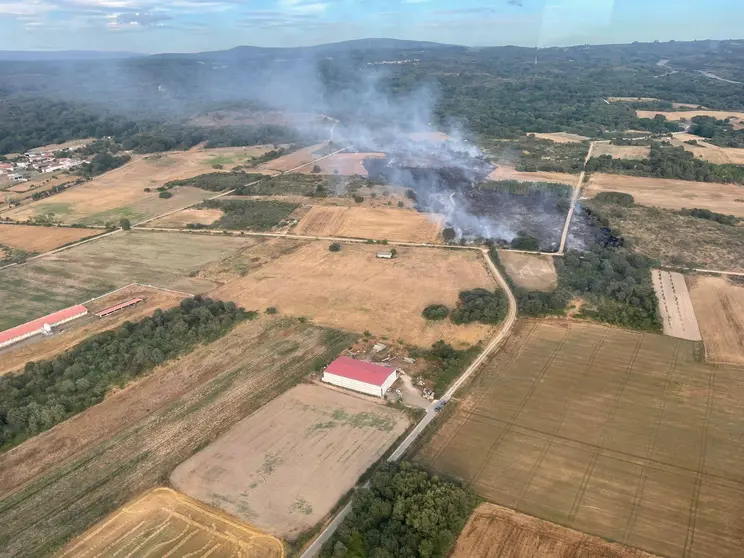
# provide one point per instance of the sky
(151, 26)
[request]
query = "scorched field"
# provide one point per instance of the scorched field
(619, 434)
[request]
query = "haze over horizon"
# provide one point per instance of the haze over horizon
(150, 26)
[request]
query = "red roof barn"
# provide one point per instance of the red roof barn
(358, 375)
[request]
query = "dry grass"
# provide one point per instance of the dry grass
(292, 161)
(689, 114)
(510, 173)
(671, 194)
(72, 144)
(187, 216)
(354, 290)
(621, 151)
(618, 434)
(347, 164)
(172, 524)
(496, 532)
(72, 476)
(120, 193)
(719, 305)
(366, 222)
(560, 137)
(41, 239)
(307, 448)
(675, 306)
(708, 151)
(72, 333)
(533, 272)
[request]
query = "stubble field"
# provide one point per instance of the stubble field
(689, 114)
(503, 172)
(670, 193)
(166, 523)
(496, 532)
(560, 137)
(120, 193)
(354, 290)
(186, 217)
(675, 306)
(291, 161)
(533, 272)
(56, 485)
(41, 239)
(719, 305)
(618, 434)
(621, 151)
(284, 467)
(708, 151)
(366, 222)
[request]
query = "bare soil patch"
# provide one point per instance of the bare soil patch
(354, 290)
(719, 305)
(171, 524)
(621, 151)
(510, 173)
(689, 114)
(560, 137)
(496, 532)
(675, 306)
(291, 161)
(41, 239)
(671, 194)
(307, 448)
(366, 222)
(618, 434)
(187, 217)
(533, 272)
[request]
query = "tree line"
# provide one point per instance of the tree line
(257, 215)
(48, 392)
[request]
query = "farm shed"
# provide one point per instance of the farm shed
(39, 325)
(385, 255)
(365, 377)
(118, 307)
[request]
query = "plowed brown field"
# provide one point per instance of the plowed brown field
(41, 239)
(496, 532)
(166, 523)
(719, 305)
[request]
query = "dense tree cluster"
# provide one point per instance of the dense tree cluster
(435, 312)
(618, 198)
(48, 392)
(101, 163)
(524, 241)
(481, 305)
(404, 513)
(257, 215)
(712, 216)
(216, 181)
(666, 161)
(717, 132)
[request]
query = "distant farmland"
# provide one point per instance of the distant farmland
(615, 433)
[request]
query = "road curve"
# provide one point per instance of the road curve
(431, 413)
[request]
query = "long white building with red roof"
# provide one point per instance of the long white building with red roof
(365, 377)
(40, 325)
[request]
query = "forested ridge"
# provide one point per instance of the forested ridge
(48, 392)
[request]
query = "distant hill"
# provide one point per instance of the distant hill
(34, 56)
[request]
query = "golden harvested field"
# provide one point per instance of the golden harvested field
(619, 434)
(347, 164)
(56, 485)
(533, 272)
(292, 161)
(560, 137)
(72, 276)
(41, 239)
(366, 222)
(120, 193)
(621, 151)
(675, 306)
(510, 173)
(70, 334)
(689, 114)
(719, 305)
(284, 467)
(182, 218)
(496, 532)
(671, 194)
(171, 524)
(354, 290)
(708, 151)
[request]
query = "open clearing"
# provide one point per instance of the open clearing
(186, 217)
(171, 524)
(354, 290)
(708, 151)
(621, 151)
(510, 173)
(689, 114)
(347, 164)
(618, 434)
(719, 305)
(675, 305)
(66, 336)
(120, 192)
(533, 272)
(561, 137)
(72, 276)
(496, 532)
(293, 160)
(285, 467)
(670, 193)
(366, 222)
(56, 485)
(41, 239)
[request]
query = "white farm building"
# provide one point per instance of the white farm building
(41, 325)
(364, 377)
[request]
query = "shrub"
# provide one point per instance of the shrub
(316, 169)
(125, 224)
(358, 199)
(619, 198)
(435, 312)
(401, 204)
(217, 166)
(165, 195)
(524, 241)
(449, 234)
(481, 305)
(271, 310)
(335, 247)
(148, 190)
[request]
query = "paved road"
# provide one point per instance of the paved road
(574, 197)
(431, 412)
